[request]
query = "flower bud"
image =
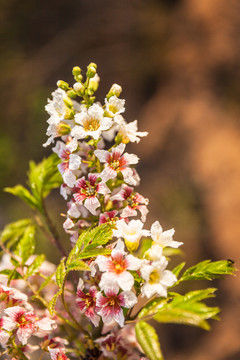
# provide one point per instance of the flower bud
(63, 85)
(79, 88)
(132, 245)
(72, 94)
(91, 70)
(93, 83)
(76, 71)
(63, 129)
(115, 90)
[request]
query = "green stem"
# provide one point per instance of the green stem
(50, 232)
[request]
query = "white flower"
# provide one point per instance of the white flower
(91, 123)
(163, 238)
(128, 132)
(114, 106)
(131, 232)
(60, 113)
(56, 107)
(154, 253)
(70, 162)
(157, 279)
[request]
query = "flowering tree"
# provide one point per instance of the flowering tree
(97, 302)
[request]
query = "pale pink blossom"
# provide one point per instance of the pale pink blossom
(116, 347)
(115, 268)
(87, 302)
(111, 305)
(57, 353)
(86, 191)
(44, 326)
(115, 162)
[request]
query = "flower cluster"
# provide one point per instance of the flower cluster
(19, 321)
(116, 275)
(98, 184)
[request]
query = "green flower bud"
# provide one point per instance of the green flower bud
(63, 129)
(76, 71)
(91, 70)
(72, 94)
(63, 85)
(92, 64)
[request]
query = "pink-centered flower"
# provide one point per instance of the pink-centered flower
(86, 192)
(117, 347)
(115, 268)
(108, 217)
(111, 305)
(116, 162)
(57, 353)
(87, 302)
(23, 320)
(134, 200)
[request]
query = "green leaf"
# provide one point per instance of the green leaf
(94, 253)
(151, 308)
(176, 271)
(145, 245)
(188, 309)
(44, 177)
(78, 265)
(11, 274)
(171, 252)
(14, 231)
(23, 194)
(207, 270)
(88, 242)
(26, 246)
(52, 303)
(148, 339)
(33, 268)
(61, 273)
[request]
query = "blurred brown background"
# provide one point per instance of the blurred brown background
(179, 65)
